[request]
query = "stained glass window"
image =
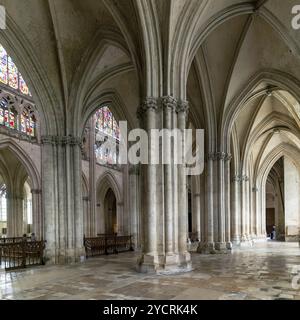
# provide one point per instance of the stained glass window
(23, 86)
(10, 75)
(13, 75)
(3, 65)
(107, 136)
(24, 122)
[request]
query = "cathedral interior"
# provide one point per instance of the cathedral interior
(78, 223)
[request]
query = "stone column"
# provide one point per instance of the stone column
(221, 244)
(227, 202)
(245, 221)
(134, 205)
(184, 256)
(196, 214)
(207, 244)
(92, 183)
(14, 215)
(120, 219)
(37, 221)
(168, 106)
(49, 199)
(87, 220)
(236, 210)
(76, 172)
(62, 198)
(254, 214)
(149, 260)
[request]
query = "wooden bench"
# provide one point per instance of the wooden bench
(20, 254)
(107, 244)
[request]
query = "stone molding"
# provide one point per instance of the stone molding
(36, 191)
(61, 140)
(219, 156)
(240, 178)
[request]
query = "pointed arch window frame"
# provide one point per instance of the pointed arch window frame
(106, 125)
(10, 75)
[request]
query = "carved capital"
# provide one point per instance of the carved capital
(149, 103)
(134, 170)
(211, 156)
(237, 178)
(48, 140)
(169, 102)
(182, 106)
(61, 140)
(220, 156)
(36, 191)
(228, 157)
(240, 178)
(245, 178)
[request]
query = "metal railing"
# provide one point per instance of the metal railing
(20, 253)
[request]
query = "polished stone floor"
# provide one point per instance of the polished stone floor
(262, 272)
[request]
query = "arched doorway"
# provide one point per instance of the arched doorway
(282, 201)
(275, 219)
(110, 212)
(19, 194)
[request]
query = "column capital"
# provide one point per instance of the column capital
(240, 178)
(228, 157)
(245, 178)
(48, 140)
(220, 156)
(169, 102)
(150, 103)
(182, 106)
(134, 170)
(211, 156)
(36, 191)
(61, 140)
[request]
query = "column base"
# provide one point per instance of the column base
(236, 240)
(64, 256)
(206, 248)
(246, 241)
(222, 247)
(164, 264)
(229, 245)
(214, 247)
(259, 238)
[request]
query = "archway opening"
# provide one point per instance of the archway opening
(15, 196)
(275, 218)
(110, 212)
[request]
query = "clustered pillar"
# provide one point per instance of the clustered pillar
(217, 227)
(164, 214)
(62, 198)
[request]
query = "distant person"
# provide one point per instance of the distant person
(33, 237)
(273, 234)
